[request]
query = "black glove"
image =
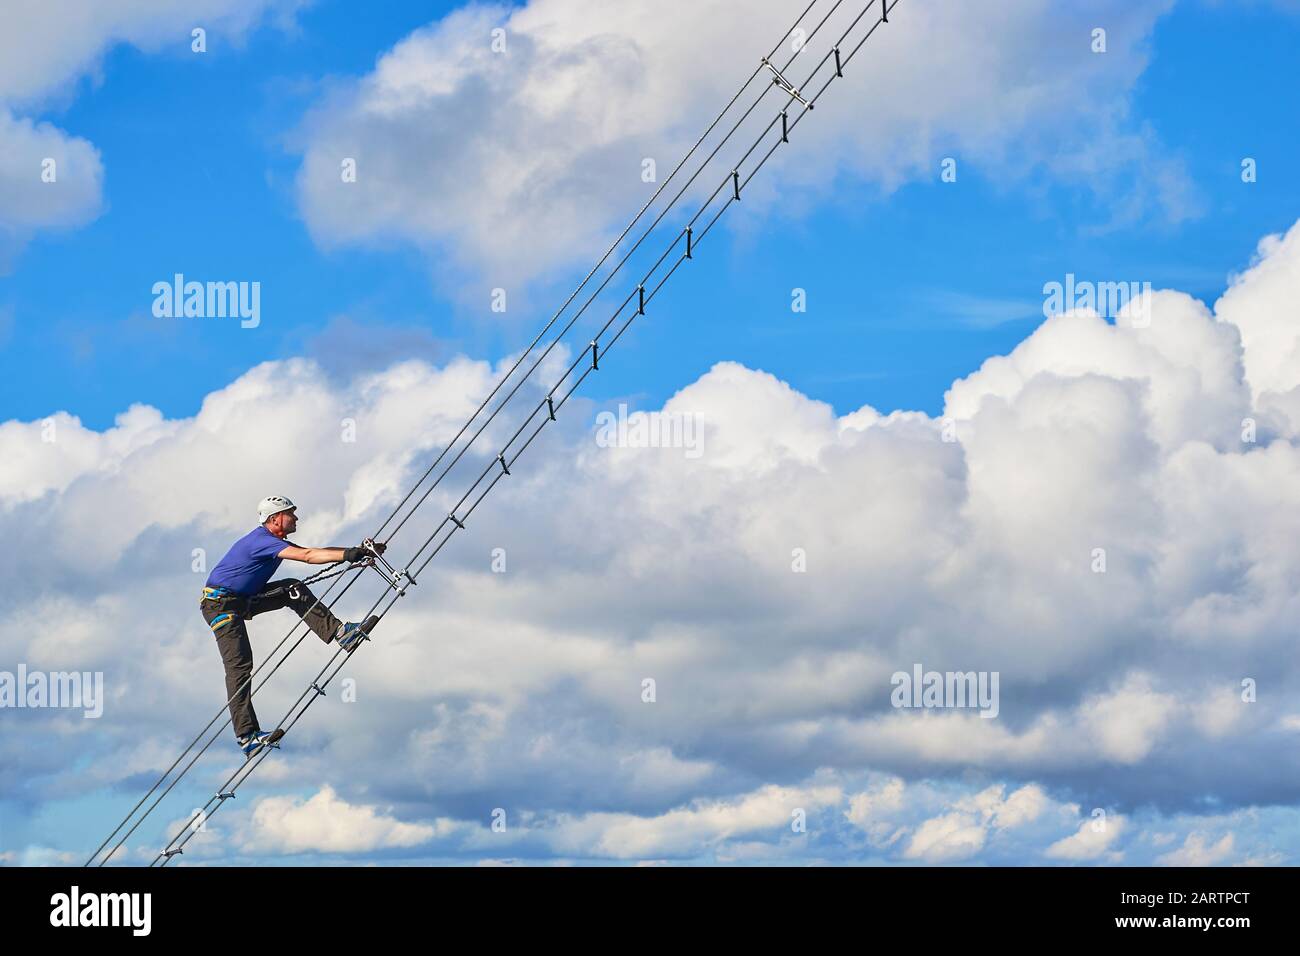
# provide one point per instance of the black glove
(353, 555)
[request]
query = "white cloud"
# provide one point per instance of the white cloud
(959, 831)
(48, 455)
(1257, 305)
(48, 179)
(45, 49)
(1220, 711)
(875, 812)
(1198, 851)
(1290, 723)
(963, 829)
(1189, 364)
(884, 799)
(148, 466)
(49, 45)
(1126, 723)
(1023, 806)
(945, 839)
(688, 830)
(1092, 841)
(325, 823)
(525, 687)
(463, 151)
(41, 856)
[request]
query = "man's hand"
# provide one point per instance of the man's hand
(353, 555)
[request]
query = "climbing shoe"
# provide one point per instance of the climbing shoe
(252, 743)
(349, 636)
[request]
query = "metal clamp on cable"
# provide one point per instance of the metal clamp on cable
(785, 84)
(379, 559)
(399, 579)
(171, 853)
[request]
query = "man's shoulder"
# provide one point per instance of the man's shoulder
(261, 539)
(279, 542)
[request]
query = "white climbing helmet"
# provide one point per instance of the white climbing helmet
(272, 506)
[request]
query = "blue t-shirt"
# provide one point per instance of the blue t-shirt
(249, 563)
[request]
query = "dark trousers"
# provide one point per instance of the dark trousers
(226, 615)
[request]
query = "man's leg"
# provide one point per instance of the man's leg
(277, 595)
(237, 656)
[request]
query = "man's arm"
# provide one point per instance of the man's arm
(311, 555)
(292, 552)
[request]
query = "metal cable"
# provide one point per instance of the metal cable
(681, 164)
(173, 848)
(594, 270)
(224, 710)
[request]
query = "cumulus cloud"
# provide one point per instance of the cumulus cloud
(523, 688)
(463, 150)
(45, 47)
(874, 812)
(688, 830)
(326, 823)
(865, 806)
(953, 836)
(1125, 723)
(51, 178)
(48, 179)
(1257, 306)
(1007, 812)
(50, 454)
(962, 831)
(1197, 850)
(1092, 841)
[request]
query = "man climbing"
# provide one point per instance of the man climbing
(237, 589)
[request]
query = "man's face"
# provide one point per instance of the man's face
(286, 522)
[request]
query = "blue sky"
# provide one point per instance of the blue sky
(1123, 166)
(200, 158)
